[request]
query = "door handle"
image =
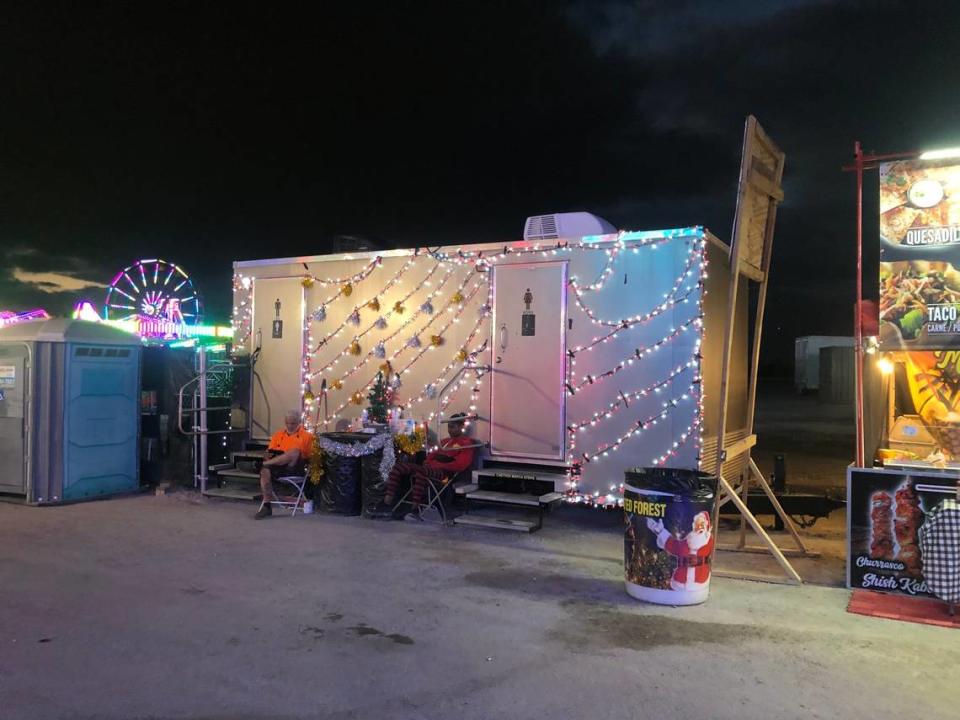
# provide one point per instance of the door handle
(503, 337)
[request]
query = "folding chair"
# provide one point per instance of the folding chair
(438, 490)
(296, 482)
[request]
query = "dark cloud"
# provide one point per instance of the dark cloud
(204, 136)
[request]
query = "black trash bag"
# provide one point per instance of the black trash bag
(693, 485)
(373, 486)
(340, 487)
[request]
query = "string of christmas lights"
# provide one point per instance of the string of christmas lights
(627, 322)
(386, 316)
(241, 319)
(637, 355)
(677, 444)
(350, 279)
(429, 391)
(639, 427)
(356, 308)
(389, 361)
(694, 392)
(354, 347)
(623, 401)
(633, 240)
(355, 313)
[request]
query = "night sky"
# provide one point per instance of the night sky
(210, 132)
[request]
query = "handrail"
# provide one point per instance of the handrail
(457, 374)
(195, 411)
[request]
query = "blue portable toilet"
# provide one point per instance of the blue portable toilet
(69, 411)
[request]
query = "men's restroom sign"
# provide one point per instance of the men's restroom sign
(277, 322)
(528, 321)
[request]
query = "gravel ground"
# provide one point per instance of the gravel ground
(176, 607)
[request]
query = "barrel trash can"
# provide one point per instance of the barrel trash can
(372, 486)
(340, 491)
(668, 538)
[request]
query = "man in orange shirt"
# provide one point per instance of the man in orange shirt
(289, 449)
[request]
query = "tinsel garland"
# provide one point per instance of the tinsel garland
(410, 444)
(381, 441)
(317, 461)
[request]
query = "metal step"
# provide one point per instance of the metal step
(233, 494)
(238, 474)
(495, 460)
(247, 455)
(464, 489)
(516, 478)
(497, 523)
(518, 499)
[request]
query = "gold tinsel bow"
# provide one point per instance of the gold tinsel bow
(357, 398)
(457, 297)
(307, 282)
(347, 290)
(436, 340)
(462, 355)
(336, 384)
(308, 396)
(374, 304)
(410, 444)
(398, 307)
(386, 368)
(354, 348)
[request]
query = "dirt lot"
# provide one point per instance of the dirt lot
(175, 607)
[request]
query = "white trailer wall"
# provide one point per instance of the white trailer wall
(651, 390)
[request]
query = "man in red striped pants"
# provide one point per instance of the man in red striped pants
(449, 460)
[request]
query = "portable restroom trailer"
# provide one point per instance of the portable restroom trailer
(69, 411)
(586, 354)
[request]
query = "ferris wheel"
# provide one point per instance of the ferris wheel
(155, 289)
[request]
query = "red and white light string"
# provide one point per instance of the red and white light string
(403, 347)
(637, 355)
(624, 401)
(669, 296)
(372, 353)
(356, 277)
(242, 319)
(393, 281)
(641, 425)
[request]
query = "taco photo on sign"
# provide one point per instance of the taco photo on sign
(919, 304)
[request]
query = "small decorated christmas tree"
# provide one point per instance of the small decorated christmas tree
(378, 399)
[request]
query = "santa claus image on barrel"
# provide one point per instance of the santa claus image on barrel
(692, 553)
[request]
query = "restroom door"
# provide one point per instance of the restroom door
(529, 350)
(13, 421)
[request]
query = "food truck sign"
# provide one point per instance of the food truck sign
(919, 255)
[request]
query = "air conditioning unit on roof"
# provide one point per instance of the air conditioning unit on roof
(565, 225)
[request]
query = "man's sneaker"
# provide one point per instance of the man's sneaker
(308, 507)
(413, 516)
(263, 512)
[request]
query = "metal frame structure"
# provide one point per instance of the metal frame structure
(863, 162)
(751, 249)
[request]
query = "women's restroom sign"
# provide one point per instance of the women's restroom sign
(528, 322)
